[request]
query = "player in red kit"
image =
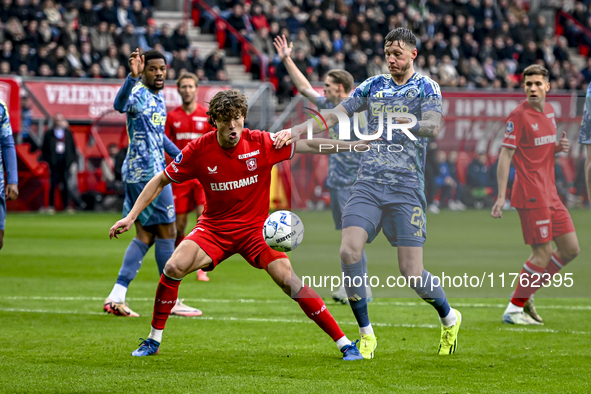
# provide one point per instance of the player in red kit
(183, 125)
(234, 166)
(530, 141)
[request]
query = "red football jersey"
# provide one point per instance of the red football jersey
(236, 181)
(532, 135)
(183, 128)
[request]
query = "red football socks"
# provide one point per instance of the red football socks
(555, 265)
(315, 309)
(530, 280)
(166, 296)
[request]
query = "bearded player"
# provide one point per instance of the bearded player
(234, 166)
(389, 192)
(183, 125)
(530, 142)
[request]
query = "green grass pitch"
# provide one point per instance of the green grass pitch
(55, 272)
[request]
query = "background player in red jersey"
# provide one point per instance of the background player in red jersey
(183, 125)
(530, 141)
(234, 166)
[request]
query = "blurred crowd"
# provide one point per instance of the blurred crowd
(463, 43)
(92, 39)
(472, 181)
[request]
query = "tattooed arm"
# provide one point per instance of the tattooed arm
(429, 125)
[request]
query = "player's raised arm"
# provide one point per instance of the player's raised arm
(122, 100)
(149, 194)
(299, 79)
(325, 146)
(503, 168)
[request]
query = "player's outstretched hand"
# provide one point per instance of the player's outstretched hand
(283, 50)
(284, 138)
(136, 63)
(120, 227)
(497, 209)
(564, 144)
(11, 192)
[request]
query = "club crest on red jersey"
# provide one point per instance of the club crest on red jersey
(251, 164)
(544, 231)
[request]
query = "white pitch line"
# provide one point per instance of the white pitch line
(250, 300)
(267, 320)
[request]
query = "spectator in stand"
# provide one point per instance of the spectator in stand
(258, 18)
(34, 39)
(181, 62)
(586, 72)
(222, 76)
(378, 66)
(15, 32)
(75, 61)
(150, 38)
(87, 56)
(108, 13)
(68, 35)
(561, 49)
(165, 39)
(139, 15)
(87, 15)
(478, 182)
(53, 15)
(328, 21)
(95, 71)
(123, 55)
(542, 31)
(302, 43)
(196, 60)
(59, 151)
(61, 70)
(100, 38)
(213, 63)
(312, 25)
(110, 62)
(123, 13)
(239, 21)
(180, 39)
(292, 22)
(5, 67)
(45, 70)
(129, 37)
(448, 75)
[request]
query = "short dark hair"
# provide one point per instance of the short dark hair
(153, 54)
(226, 105)
(536, 69)
(402, 35)
(342, 77)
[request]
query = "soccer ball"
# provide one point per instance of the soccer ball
(283, 231)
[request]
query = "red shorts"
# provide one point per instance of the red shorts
(187, 196)
(249, 243)
(541, 225)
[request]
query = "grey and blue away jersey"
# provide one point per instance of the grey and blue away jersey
(397, 161)
(146, 116)
(342, 166)
(585, 134)
(6, 150)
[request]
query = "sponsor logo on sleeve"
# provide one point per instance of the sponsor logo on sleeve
(510, 127)
(178, 158)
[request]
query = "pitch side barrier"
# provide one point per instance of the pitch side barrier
(472, 123)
